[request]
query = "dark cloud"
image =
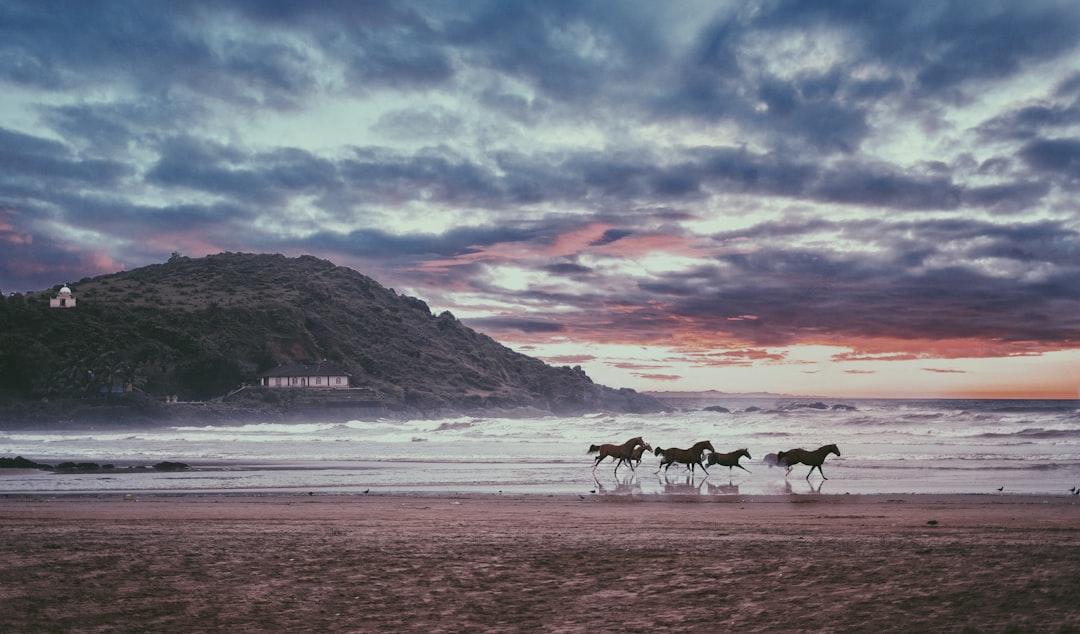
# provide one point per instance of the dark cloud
(416, 247)
(565, 50)
(146, 47)
(1047, 116)
(28, 159)
(503, 324)
(1060, 156)
(569, 269)
(882, 186)
(224, 169)
(1008, 197)
(612, 235)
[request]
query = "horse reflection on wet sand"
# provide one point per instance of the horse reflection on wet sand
(801, 456)
(688, 457)
(622, 453)
(730, 459)
(627, 485)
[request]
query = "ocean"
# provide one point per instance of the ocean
(994, 447)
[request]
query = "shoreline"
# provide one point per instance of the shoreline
(300, 493)
(540, 562)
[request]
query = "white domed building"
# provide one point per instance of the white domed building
(63, 299)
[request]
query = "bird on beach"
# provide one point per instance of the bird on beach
(1001, 488)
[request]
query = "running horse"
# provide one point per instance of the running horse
(729, 460)
(622, 453)
(688, 457)
(801, 456)
(637, 453)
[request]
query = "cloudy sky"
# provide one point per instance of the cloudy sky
(812, 197)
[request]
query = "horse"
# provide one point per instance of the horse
(635, 455)
(688, 457)
(729, 460)
(813, 458)
(621, 452)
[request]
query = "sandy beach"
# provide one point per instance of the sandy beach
(540, 563)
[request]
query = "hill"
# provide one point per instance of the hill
(201, 328)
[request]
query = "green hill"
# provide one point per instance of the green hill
(200, 329)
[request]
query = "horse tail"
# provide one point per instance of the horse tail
(593, 449)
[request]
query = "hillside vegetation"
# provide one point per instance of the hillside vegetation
(202, 328)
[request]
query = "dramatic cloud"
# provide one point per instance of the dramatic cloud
(693, 195)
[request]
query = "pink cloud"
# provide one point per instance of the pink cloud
(661, 377)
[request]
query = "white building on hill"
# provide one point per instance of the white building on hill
(63, 299)
(324, 375)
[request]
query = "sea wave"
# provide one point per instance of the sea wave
(1033, 433)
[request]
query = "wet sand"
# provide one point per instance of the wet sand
(492, 563)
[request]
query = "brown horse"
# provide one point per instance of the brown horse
(801, 456)
(635, 455)
(622, 452)
(729, 460)
(688, 457)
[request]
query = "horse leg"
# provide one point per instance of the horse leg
(821, 472)
(743, 468)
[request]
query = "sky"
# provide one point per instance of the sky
(841, 198)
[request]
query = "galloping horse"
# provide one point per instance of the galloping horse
(729, 460)
(688, 457)
(635, 455)
(622, 452)
(813, 458)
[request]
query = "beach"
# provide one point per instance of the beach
(551, 563)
